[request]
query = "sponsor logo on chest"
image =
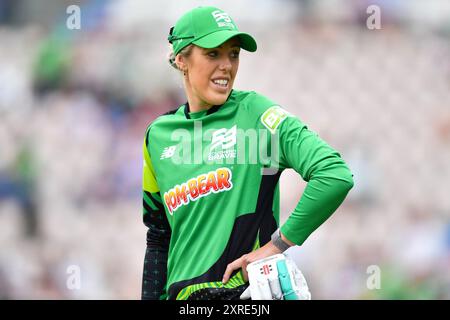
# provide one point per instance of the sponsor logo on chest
(198, 187)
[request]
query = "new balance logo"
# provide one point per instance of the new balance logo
(168, 152)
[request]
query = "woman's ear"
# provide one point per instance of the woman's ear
(180, 61)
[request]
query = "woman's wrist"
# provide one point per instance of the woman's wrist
(289, 242)
(280, 241)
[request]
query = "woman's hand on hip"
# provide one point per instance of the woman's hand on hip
(267, 250)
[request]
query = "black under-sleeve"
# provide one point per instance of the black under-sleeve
(158, 239)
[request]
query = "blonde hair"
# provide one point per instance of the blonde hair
(185, 52)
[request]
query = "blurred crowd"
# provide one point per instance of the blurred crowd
(74, 106)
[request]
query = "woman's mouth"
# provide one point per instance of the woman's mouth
(221, 84)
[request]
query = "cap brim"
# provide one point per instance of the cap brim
(213, 40)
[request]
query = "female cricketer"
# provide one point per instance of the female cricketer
(212, 166)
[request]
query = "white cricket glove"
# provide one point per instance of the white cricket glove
(275, 278)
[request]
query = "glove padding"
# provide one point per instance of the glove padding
(275, 278)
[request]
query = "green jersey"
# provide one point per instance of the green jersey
(212, 176)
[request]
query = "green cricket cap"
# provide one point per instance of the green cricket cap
(207, 27)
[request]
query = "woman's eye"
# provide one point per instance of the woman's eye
(235, 54)
(214, 54)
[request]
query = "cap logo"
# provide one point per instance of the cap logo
(222, 19)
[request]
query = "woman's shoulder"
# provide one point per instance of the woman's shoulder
(166, 117)
(254, 101)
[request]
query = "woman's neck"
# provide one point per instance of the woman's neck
(196, 105)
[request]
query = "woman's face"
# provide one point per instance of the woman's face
(211, 72)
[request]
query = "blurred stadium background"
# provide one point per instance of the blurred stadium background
(74, 105)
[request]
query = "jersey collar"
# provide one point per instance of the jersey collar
(210, 110)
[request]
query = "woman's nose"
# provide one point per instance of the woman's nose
(225, 64)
